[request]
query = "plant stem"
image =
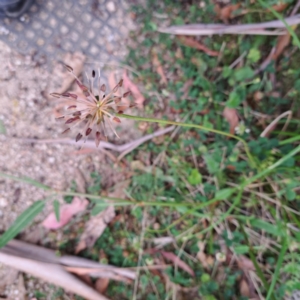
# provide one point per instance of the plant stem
(167, 122)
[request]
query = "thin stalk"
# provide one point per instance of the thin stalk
(167, 122)
(283, 250)
(253, 259)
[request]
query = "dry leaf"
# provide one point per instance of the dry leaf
(226, 12)
(94, 228)
(245, 263)
(101, 285)
(279, 7)
(207, 261)
(244, 288)
(129, 85)
(191, 42)
(67, 211)
(282, 42)
(80, 181)
(177, 262)
(230, 114)
(158, 67)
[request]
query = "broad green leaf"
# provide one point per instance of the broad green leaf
(224, 194)
(268, 227)
(21, 222)
(56, 206)
(195, 177)
(290, 194)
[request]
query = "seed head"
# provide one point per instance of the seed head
(95, 109)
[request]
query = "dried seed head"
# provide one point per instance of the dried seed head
(97, 138)
(117, 120)
(67, 95)
(88, 131)
(78, 137)
(72, 120)
(56, 95)
(68, 129)
(93, 110)
(70, 69)
(103, 88)
(73, 96)
(126, 94)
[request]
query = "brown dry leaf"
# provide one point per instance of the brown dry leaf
(94, 228)
(282, 42)
(226, 12)
(230, 114)
(101, 285)
(279, 7)
(207, 261)
(244, 288)
(129, 85)
(158, 67)
(245, 263)
(191, 42)
(177, 262)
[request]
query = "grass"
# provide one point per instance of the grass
(211, 192)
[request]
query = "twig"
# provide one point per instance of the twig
(210, 29)
(274, 122)
(90, 144)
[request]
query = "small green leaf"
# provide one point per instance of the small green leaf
(2, 128)
(212, 164)
(290, 194)
(268, 227)
(243, 74)
(234, 100)
(195, 177)
(224, 194)
(97, 209)
(21, 222)
(56, 206)
(254, 55)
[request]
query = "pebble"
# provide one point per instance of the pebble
(111, 7)
(3, 202)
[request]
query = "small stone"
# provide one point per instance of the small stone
(3, 202)
(111, 7)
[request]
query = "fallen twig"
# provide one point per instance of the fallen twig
(104, 145)
(210, 29)
(45, 264)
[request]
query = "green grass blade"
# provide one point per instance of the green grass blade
(21, 222)
(283, 250)
(56, 206)
(279, 16)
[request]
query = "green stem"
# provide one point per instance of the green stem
(253, 259)
(283, 250)
(167, 122)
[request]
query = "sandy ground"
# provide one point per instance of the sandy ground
(27, 112)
